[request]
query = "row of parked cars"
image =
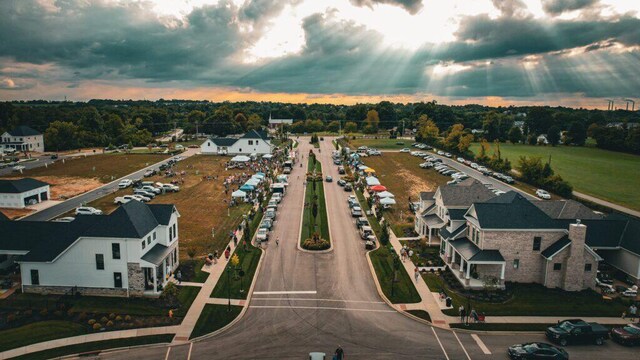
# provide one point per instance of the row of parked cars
(362, 223)
(367, 151)
(269, 217)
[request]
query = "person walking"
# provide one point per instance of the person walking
(179, 276)
(416, 273)
(227, 253)
(402, 254)
(462, 313)
(215, 257)
(632, 312)
(339, 354)
(278, 241)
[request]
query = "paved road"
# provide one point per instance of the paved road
(306, 302)
(68, 205)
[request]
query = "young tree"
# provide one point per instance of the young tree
(254, 122)
(427, 130)
(350, 127)
(333, 126)
(484, 151)
(371, 122)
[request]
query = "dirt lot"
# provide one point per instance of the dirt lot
(200, 203)
(15, 213)
(402, 176)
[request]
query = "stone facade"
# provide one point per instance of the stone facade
(556, 278)
(61, 290)
(136, 279)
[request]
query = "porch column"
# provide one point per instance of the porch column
(461, 264)
(155, 279)
(468, 270)
(429, 236)
(502, 273)
(453, 256)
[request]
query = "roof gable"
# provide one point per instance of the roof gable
(23, 131)
(464, 193)
(20, 185)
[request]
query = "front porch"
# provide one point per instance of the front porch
(470, 264)
(429, 226)
(158, 266)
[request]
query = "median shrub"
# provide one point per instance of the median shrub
(316, 243)
(97, 326)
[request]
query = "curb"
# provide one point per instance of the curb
(112, 350)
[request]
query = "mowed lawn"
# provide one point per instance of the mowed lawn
(104, 167)
(200, 203)
(401, 174)
(381, 144)
(608, 175)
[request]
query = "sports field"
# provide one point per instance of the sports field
(608, 175)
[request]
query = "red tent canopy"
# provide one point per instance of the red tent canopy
(378, 188)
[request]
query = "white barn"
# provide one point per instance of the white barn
(17, 194)
(130, 252)
(273, 123)
(253, 142)
(22, 138)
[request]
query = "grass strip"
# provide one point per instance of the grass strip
(38, 332)
(321, 223)
(249, 260)
(421, 314)
(214, 317)
(96, 346)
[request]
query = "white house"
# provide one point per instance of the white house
(273, 123)
(130, 252)
(19, 193)
(22, 138)
(253, 142)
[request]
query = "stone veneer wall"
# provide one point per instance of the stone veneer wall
(59, 290)
(136, 279)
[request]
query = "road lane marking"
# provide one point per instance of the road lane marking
(310, 292)
(166, 357)
(313, 299)
(482, 346)
(189, 354)
(318, 308)
(462, 346)
(441, 347)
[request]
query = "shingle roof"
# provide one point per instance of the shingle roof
(513, 211)
(457, 214)
(224, 141)
(20, 185)
(452, 234)
(465, 193)
(556, 247)
(566, 209)
(162, 212)
(156, 254)
(253, 134)
(23, 131)
(471, 252)
(45, 240)
(427, 195)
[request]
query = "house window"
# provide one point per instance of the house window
(115, 250)
(516, 263)
(587, 267)
(250, 142)
(148, 240)
(537, 241)
(117, 280)
(144, 244)
(175, 230)
(170, 233)
(35, 277)
(99, 262)
(557, 266)
(154, 236)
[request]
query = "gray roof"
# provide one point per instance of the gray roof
(156, 254)
(513, 211)
(566, 209)
(427, 195)
(223, 141)
(471, 252)
(452, 234)
(465, 193)
(614, 231)
(45, 240)
(457, 214)
(433, 220)
(556, 247)
(20, 185)
(23, 131)
(255, 134)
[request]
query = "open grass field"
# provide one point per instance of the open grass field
(401, 175)
(200, 203)
(608, 175)
(381, 144)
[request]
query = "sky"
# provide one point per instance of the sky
(576, 53)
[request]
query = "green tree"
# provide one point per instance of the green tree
(350, 127)
(254, 122)
(427, 130)
(515, 135)
(61, 135)
(553, 136)
(241, 121)
(577, 133)
(333, 126)
(371, 123)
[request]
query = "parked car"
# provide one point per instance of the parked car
(270, 214)
(348, 187)
(125, 183)
(366, 232)
(152, 189)
(65, 219)
(18, 168)
(405, 150)
(140, 198)
(356, 211)
(342, 182)
(341, 170)
(88, 210)
(328, 179)
(120, 200)
(362, 221)
(426, 165)
(262, 235)
(536, 351)
(277, 197)
(337, 161)
(273, 204)
(149, 173)
(461, 160)
(576, 331)
(54, 156)
(543, 194)
(170, 187)
(144, 193)
(626, 335)
(448, 155)
(266, 224)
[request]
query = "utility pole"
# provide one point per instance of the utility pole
(402, 133)
(339, 127)
(197, 129)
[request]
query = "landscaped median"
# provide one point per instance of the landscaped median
(214, 317)
(402, 290)
(314, 234)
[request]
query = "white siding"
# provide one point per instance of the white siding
(208, 147)
(16, 201)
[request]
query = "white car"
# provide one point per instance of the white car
(120, 200)
(448, 155)
(426, 165)
(18, 168)
(88, 210)
(474, 165)
(440, 152)
(125, 183)
(170, 188)
(65, 219)
(140, 198)
(152, 189)
(356, 211)
(405, 150)
(461, 160)
(543, 194)
(262, 234)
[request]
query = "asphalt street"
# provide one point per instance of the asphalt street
(305, 302)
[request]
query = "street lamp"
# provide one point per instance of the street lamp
(229, 287)
(396, 266)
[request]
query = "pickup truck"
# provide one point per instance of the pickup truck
(576, 331)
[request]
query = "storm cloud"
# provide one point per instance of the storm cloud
(412, 6)
(557, 7)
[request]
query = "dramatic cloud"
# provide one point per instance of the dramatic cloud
(412, 6)
(510, 8)
(557, 7)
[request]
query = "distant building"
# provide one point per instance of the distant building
(22, 138)
(253, 142)
(130, 252)
(273, 123)
(18, 194)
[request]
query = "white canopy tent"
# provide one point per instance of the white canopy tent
(362, 167)
(267, 156)
(239, 194)
(371, 181)
(240, 158)
(253, 182)
(385, 194)
(387, 201)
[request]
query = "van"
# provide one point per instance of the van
(277, 197)
(366, 232)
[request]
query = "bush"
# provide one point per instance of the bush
(91, 322)
(127, 318)
(118, 318)
(11, 318)
(69, 313)
(28, 313)
(44, 312)
(104, 319)
(319, 244)
(82, 315)
(109, 323)
(112, 316)
(97, 326)
(57, 313)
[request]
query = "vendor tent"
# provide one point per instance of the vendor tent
(238, 194)
(260, 173)
(387, 201)
(385, 194)
(253, 182)
(240, 158)
(378, 188)
(362, 167)
(372, 181)
(258, 177)
(247, 187)
(267, 156)
(369, 170)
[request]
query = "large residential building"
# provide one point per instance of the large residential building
(274, 123)
(130, 252)
(19, 193)
(513, 239)
(22, 138)
(253, 142)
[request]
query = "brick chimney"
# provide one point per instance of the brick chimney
(573, 277)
